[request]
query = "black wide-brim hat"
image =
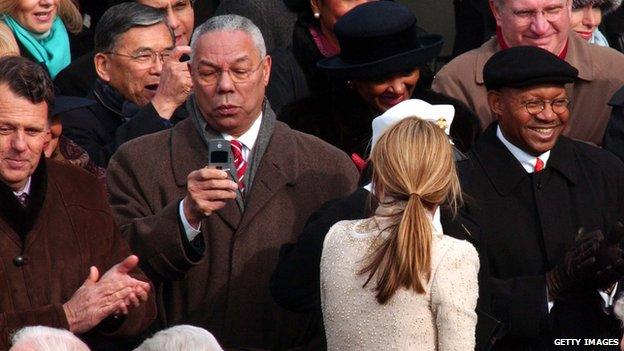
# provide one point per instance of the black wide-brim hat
(379, 39)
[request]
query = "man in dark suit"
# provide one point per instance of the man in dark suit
(141, 85)
(210, 238)
(548, 208)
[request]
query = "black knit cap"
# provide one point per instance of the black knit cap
(523, 66)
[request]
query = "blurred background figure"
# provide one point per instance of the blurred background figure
(275, 20)
(181, 338)
(382, 64)
(474, 25)
(40, 29)
(396, 266)
(40, 338)
(587, 16)
(60, 148)
(294, 74)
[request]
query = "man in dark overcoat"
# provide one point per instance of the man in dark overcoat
(209, 238)
(57, 232)
(548, 208)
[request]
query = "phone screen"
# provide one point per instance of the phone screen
(219, 157)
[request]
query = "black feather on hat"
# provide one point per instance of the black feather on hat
(606, 6)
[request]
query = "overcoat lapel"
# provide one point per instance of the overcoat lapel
(185, 140)
(278, 168)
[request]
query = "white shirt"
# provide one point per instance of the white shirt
(248, 140)
(528, 163)
(24, 190)
(526, 160)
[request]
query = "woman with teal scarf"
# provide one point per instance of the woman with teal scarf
(40, 28)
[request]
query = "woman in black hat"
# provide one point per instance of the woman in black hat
(380, 64)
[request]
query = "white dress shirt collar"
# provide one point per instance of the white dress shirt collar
(25, 189)
(526, 160)
(247, 139)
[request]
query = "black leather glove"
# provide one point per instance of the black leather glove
(577, 266)
(610, 259)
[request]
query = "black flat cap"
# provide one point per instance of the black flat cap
(524, 66)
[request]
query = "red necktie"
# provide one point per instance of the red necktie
(239, 163)
(539, 164)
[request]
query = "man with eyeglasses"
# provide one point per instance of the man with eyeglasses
(545, 24)
(142, 85)
(550, 208)
(78, 78)
(210, 237)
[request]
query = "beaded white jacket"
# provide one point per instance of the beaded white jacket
(442, 319)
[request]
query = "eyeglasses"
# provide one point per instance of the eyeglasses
(535, 107)
(550, 14)
(145, 58)
(211, 75)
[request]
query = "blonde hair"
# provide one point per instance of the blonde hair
(8, 45)
(412, 163)
(67, 10)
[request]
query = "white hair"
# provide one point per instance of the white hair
(40, 338)
(181, 338)
(230, 23)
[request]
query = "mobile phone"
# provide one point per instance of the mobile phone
(219, 154)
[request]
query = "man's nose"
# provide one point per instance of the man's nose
(225, 84)
(547, 114)
(18, 141)
(540, 24)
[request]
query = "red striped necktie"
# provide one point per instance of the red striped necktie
(539, 164)
(239, 163)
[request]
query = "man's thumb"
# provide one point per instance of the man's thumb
(94, 275)
(128, 264)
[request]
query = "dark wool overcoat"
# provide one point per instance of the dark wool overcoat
(528, 221)
(226, 290)
(67, 228)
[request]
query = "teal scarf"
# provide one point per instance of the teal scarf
(51, 51)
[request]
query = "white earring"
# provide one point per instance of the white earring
(317, 15)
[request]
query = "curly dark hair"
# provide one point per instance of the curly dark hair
(27, 79)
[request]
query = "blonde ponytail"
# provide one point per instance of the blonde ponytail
(412, 164)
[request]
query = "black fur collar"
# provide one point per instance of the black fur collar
(20, 219)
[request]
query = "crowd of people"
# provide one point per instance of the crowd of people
(295, 175)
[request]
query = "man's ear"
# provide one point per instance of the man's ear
(495, 101)
(496, 11)
(266, 69)
(102, 66)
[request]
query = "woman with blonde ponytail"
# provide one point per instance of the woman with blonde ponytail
(394, 281)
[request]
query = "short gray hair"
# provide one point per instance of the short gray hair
(230, 23)
(121, 18)
(181, 337)
(47, 339)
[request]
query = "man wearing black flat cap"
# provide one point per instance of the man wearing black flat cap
(549, 208)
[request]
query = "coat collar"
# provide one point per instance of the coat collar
(579, 55)
(504, 170)
(22, 220)
(279, 166)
